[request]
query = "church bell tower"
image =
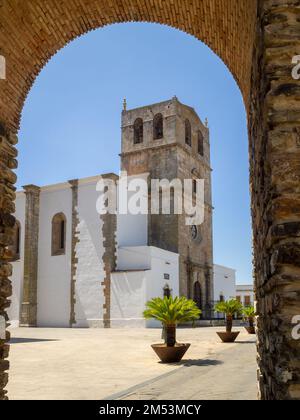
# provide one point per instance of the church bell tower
(169, 141)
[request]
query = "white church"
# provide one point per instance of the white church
(75, 268)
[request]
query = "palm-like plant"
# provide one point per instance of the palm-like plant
(229, 308)
(171, 312)
(249, 313)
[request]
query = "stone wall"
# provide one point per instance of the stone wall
(28, 316)
(75, 240)
(109, 233)
(8, 154)
(275, 185)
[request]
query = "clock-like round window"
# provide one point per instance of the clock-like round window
(194, 232)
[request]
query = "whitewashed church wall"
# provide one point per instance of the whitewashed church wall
(164, 271)
(134, 258)
(133, 228)
(130, 290)
(89, 252)
(54, 272)
(224, 282)
(128, 297)
(18, 266)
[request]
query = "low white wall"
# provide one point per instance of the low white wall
(134, 258)
(128, 297)
(54, 272)
(89, 252)
(18, 266)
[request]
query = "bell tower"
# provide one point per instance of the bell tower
(169, 141)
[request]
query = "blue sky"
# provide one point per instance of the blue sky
(71, 120)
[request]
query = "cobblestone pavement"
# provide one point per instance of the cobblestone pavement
(119, 363)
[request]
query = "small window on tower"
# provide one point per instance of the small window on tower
(138, 129)
(59, 234)
(188, 133)
(158, 127)
(200, 143)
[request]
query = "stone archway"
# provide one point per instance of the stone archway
(257, 40)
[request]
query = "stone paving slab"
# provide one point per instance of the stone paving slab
(97, 363)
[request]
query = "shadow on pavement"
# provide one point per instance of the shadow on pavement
(28, 340)
(200, 362)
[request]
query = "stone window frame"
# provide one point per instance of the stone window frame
(158, 127)
(200, 143)
(58, 238)
(138, 131)
(188, 132)
(247, 300)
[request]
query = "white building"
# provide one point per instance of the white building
(245, 294)
(73, 267)
(224, 283)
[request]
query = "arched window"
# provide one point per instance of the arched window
(59, 228)
(16, 246)
(188, 133)
(158, 127)
(198, 294)
(138, 129)
(200, 143)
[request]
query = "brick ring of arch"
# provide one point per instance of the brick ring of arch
(256, 40)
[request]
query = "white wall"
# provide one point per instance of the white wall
(54, 272)
(133, 229)
(18, 266)
(89, 251)
(130, 290)
(128, 297)
(133, 258)
(224, 282)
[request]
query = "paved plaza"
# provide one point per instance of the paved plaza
(120, 364)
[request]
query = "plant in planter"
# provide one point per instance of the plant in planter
(229, 308)
(171, 312)
(249, 313)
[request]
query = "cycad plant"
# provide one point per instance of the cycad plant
(171, 312)
(249, 313)
(229, 308)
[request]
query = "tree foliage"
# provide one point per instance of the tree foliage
(172, 311)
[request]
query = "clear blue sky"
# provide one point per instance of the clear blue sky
(71, 120)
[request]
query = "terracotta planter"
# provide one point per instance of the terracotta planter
(170, 354)
(250, 330)
(228, 337)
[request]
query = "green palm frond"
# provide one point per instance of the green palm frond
(172, 310)
(229, 307)
(249, 312)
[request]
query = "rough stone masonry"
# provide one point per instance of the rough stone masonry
(257, 40)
